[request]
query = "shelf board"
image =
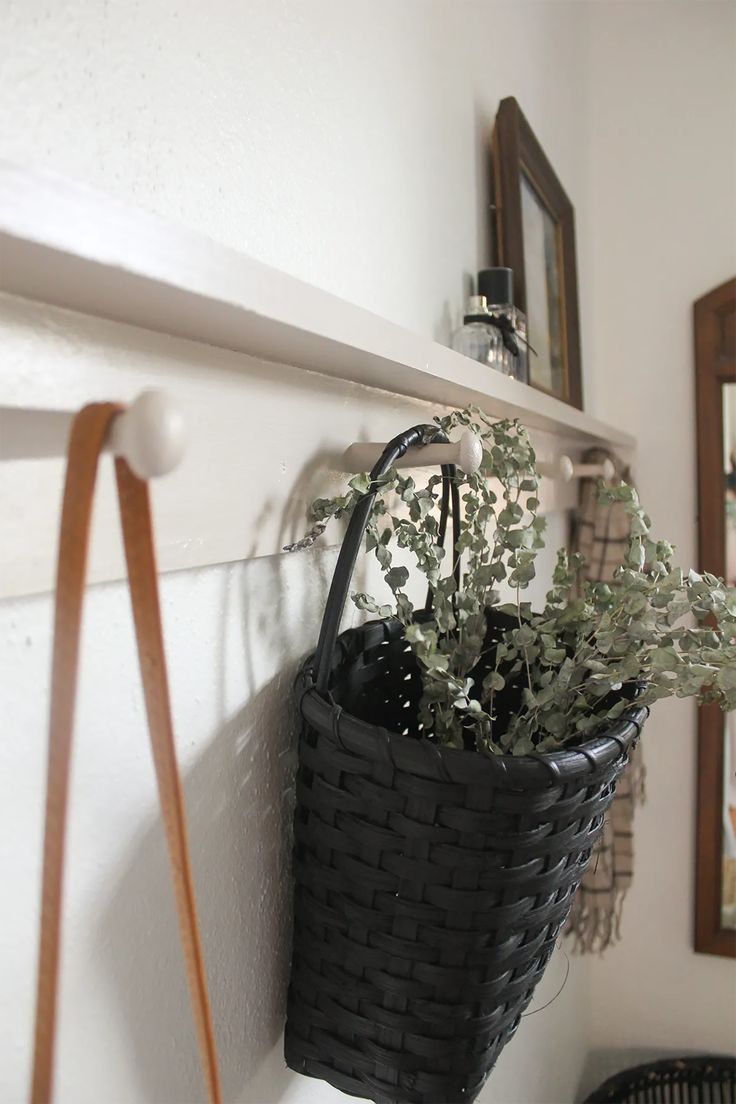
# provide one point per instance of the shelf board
(72, 247)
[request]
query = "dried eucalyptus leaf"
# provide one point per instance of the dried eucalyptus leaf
(360, 483)
(673, 632)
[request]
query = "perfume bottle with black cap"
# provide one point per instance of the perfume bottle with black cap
(511, 351)
(477, 337)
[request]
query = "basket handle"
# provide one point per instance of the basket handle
(417, 436)
(450, 501)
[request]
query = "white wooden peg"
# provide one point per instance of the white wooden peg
(566, 469)
(466, 453)
(150, 435)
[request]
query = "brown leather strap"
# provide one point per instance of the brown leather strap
(87, 438)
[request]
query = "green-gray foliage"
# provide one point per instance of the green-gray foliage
(577, 658)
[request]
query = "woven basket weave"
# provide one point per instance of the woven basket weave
(431, 883)
(705, 1079)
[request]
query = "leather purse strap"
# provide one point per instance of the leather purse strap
(88, 434)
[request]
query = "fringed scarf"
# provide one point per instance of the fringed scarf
(601, 534)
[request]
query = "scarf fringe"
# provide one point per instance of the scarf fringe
(594, 928)
(600, 534)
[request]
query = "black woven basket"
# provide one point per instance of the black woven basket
(431, 883)
(704, 1079)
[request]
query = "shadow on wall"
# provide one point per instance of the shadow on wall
(239, 801)
(239, 806)
(485, 210)
(452, 313)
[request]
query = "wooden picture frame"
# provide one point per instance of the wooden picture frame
(715, 366)
(535, 236)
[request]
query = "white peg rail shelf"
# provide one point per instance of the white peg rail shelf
(274, 377)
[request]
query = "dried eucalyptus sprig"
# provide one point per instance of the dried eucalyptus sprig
(559, 673)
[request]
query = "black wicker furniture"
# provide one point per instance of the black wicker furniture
(705, 1079)
(430, 883)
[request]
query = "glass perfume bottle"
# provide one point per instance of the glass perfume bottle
(511, 353)
(477, 338)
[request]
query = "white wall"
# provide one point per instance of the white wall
(662, 161)
(345, 144)
(348, 145)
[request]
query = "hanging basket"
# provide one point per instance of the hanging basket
(430, 883)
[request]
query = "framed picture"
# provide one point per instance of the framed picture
(535, 236)
(715, 413)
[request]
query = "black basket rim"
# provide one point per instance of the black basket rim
(639, 1077)
(538, 770)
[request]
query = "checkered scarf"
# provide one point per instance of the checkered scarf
(600, 533)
